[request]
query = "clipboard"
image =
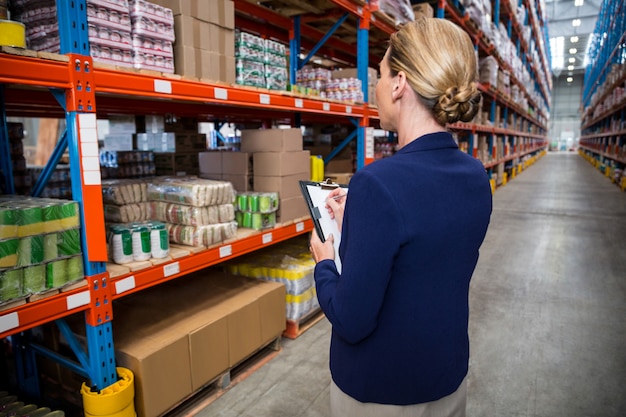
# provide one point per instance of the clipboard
(315, 194)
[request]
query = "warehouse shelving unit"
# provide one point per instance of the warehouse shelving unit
(512, 133)
(603, 138)
(71, 86)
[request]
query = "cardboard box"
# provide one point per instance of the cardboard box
(174, 163)
(185, 60)
(340, 178)
(236, 163)
(286, 186)
(292, 208)
(339, 165)
(281, 163)
(372, 74)
(423, 9)
(240, 182)
(271, 140)
(210, 163)
(208, 352)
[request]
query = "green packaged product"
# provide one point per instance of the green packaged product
(50, 246)
(30, 250)
(253, 202)
(52, 217)
(74, 269)
(8, 223)
(247, 219)
(69, 215)
(29, 220)
(268, 202)
(10, 284)
(56, 273)
(239, 218)
(257, 221)
(8, 253)
(34, 279)
(69, 242)
(242, 202)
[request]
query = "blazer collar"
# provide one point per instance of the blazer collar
(430, 141)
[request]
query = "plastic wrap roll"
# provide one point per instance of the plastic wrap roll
(8, 253)
(30, 250)
(74, 269)
(56, 273)
(50, 247)
(10, 284)
(29, 220)
(8, 222)
(34, 279)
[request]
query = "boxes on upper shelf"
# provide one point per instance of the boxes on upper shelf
(219, 12)
(281, 163)
(271, 140)
(287, 186)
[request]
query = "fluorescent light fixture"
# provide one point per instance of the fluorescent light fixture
(570, 79)
(570, 68)
(557, 46)
(578, 3)
(576, 22)
(573, 39)
(572, 60)
(573, 50)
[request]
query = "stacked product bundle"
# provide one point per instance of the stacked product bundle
(137, 241)
(260, 62)
(322, 82)
(257, 210)
(39, 245)
(152, 36)
(59, 184)
(110, 37)
(290, 264)
(126, 164)
(197, 212)
(125, 201)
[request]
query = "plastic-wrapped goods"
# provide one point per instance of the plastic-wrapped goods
(127, 213)
(191, 191)
(159, 240)
(191, 215)
(8, 253)
(401, 10)
(75, 271)
(120, 192)
(56, 273)
(488, 72)
(61, 244)
(10, 284)
(140, 235)
(30, 250)
(298, 306)
(201, 235)
(34, 279)
(8, 222)
(60, 215)
(121, 245)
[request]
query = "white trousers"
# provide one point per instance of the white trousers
(342, 405)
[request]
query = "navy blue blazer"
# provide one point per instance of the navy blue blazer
(412, 227)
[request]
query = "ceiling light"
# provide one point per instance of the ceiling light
(570, 79)
(578, 3)
(572, 51)
(573, 39)
(576, 22)
(570, 73)
(570, 68)
(572, 60)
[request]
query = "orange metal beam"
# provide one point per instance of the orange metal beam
(15, 69)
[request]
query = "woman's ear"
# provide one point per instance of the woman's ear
(399, 85)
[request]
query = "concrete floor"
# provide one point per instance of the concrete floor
(548, 310)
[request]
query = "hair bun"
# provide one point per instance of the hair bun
(457, 104)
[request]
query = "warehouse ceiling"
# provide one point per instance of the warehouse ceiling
(570, 26)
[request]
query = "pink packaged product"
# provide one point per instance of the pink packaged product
(151, 20)
(106, 17)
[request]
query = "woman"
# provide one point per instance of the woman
(410, 236)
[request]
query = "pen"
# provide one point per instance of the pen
(337, 197)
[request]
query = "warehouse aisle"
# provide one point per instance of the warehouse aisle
(548, 304)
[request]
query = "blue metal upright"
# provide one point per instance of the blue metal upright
(5, 149)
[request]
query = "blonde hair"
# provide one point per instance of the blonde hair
(439, 61)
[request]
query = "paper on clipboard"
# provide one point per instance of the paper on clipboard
(315, 195)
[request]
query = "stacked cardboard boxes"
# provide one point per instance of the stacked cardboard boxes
(205, 38)
(235, 167)
(187, 144)
(180, 336)
(279, 164)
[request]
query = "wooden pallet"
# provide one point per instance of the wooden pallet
(296, 327)
(202, 398)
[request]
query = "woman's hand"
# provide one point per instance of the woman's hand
(321, 251)
(336, 204)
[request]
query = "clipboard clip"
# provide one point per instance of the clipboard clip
(328, 184)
